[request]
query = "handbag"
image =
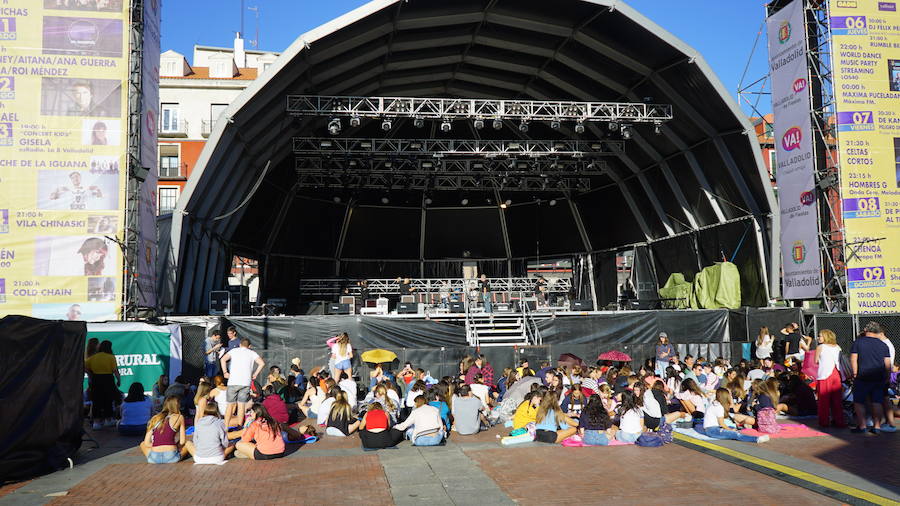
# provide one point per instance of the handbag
(650, 440)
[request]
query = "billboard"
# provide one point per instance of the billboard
(795, 163)
(866, 66)
(147, 235)
(63, 124)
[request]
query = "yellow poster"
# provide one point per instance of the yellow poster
(63, 136)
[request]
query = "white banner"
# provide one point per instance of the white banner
(795, 161)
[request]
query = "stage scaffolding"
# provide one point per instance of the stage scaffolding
(380, 287)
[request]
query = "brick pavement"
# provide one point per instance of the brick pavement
(631, 475)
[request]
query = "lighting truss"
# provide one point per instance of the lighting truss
(467, 108)
(418, 181)
(454, 166)
(457, 147)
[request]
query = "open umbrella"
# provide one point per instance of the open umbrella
(615, 356)
(567, 359)
(379, 356)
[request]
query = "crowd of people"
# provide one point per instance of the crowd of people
(253, 412)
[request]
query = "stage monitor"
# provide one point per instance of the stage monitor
(457, 307)
(337, 308)
(583, 305)
(407, 308)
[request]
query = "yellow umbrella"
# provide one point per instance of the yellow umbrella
(379, 356)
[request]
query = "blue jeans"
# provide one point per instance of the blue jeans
(595, 438)
(429, 440)
(627, 437)
(170, 457)
(661, 367)
(486, 297)
(211, 369)
(720, 433)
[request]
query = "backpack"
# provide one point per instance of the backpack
(649, 439)
(665, 432)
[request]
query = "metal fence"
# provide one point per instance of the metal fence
(847, 326)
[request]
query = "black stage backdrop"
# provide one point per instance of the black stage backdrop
(41, 375)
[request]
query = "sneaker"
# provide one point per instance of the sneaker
(888, 428)
(763, 438)
(872, 432)
(857, 430)
(96, 426)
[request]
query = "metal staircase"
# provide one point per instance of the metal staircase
(501, 329)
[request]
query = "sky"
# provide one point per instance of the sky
(722, 31)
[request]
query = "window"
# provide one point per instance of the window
(168, 166)
(772, 164)
(168, 118)
(216, 110)
(266, 66)
(167, 199)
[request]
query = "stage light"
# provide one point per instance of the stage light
(626, 132)
(464, 202)
(523, 127)
(504, 205)
(418, 123)
(508, 202)
(497, 124)
(446, 126)
(657, 128)
(385, 200)
(553, 202)
(337, 200)
(334, 126)
(613, 126)
(354, 121)
(386, 125)
(554, 124)
(579, 128)
(428, 201)
(479, 124)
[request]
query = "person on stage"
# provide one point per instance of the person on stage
(484, 287)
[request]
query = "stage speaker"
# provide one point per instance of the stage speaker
(218, 302)
(408, 298)
(457, 307)
(583, 305)
(338, 308)
(532, 305)
(407, 308)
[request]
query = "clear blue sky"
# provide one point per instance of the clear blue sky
(723, 31)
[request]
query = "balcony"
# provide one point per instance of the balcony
(207, 126)
(173, 129)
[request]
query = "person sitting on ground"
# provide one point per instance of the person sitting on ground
(523, 367)
(347, 384)
(418, 388)
(764, 401)
(436, 398)
(311, 403)
(380, 394)
(275, 405)
(504, 382)
(631, 418)
(692, 398)
(340, 418)
(204, 394)
(553, 426)
(594, 423)
(219, 393)
(164, 440)
(158, 394)
(300, 380)
(714, 424)
(573, 404)
(527, 411)
(606, 396)
(407, 375)
(480, 390)
(210, 441)
(136, 411)
(325, 407)
(423, 426)
(375, 431)
(656, 407)
(799, 398)
(262, 439)
(467, 412)
(275, 378)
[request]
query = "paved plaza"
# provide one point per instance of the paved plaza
(839, 468)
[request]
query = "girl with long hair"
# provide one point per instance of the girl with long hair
(765, 403)
(262, 439)
(423, 426)
(574, 403)
(375, 429)
(692, 398)
(607, 398)
(210, 442)
(829, 389)
(594, 423)
(764, 343)
(220, 393)
(552, 425)
(136, 411)
(342, 352)
(631, 418)
(380, 395)
(158, 394)
(436, 399)
(312, 399)
(164, 439)
(204, 394)
(526, 412)
(340, 418)
(714, 424)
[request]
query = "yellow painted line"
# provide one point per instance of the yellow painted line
(790, 471)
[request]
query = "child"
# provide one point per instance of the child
(765, 401)
(552, 425)
(339, 418)
(527, 411)
(262, 439)
(714, 420)
(631, 418)
(574, 403)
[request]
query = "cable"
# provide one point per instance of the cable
(249, 195)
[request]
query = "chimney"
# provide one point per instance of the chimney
(240, 57)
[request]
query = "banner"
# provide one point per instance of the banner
(63, 139)
(866, 66)
(143, 352)
(795, 163)
(147, 230)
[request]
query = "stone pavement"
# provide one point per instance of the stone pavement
(471, 470)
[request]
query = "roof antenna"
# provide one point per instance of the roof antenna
(255, 42)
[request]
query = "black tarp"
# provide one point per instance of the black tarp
(41, 375)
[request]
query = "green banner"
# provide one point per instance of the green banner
(143, 352)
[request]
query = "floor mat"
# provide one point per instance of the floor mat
(788, 431)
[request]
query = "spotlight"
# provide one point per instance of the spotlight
(354, 121)
(523, 127)
(613, 126)
(504, 205)
(657, 128)
(385, 200)
(337, 200)
(626, 132)
(553, 202)
(554, 124)
(418, 123)
(464, 202)
(497, 124)
(479, 124)
(579, 128)
(428, 201)
(386, 125)
(446, 126)
(508, 202)
(334, 126)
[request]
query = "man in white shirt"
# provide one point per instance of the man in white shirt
(240, 376)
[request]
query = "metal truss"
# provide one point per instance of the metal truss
(379, 287)
(467, 108)
(457, 147)
(392, 181)
(436, 166)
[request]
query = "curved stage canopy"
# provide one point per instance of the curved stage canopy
(701, 171)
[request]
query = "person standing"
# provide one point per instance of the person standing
(764, 343)
(888, 426)
(240, 376)
(233, 341)
(104, 373)
(213, 345)
(828, 380)
(795, 344)
(870, 360)
(484, 287)
(540, 291)
(664, 352)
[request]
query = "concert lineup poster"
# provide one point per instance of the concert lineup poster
(865, 38)
(795, 164)
(63, 141)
